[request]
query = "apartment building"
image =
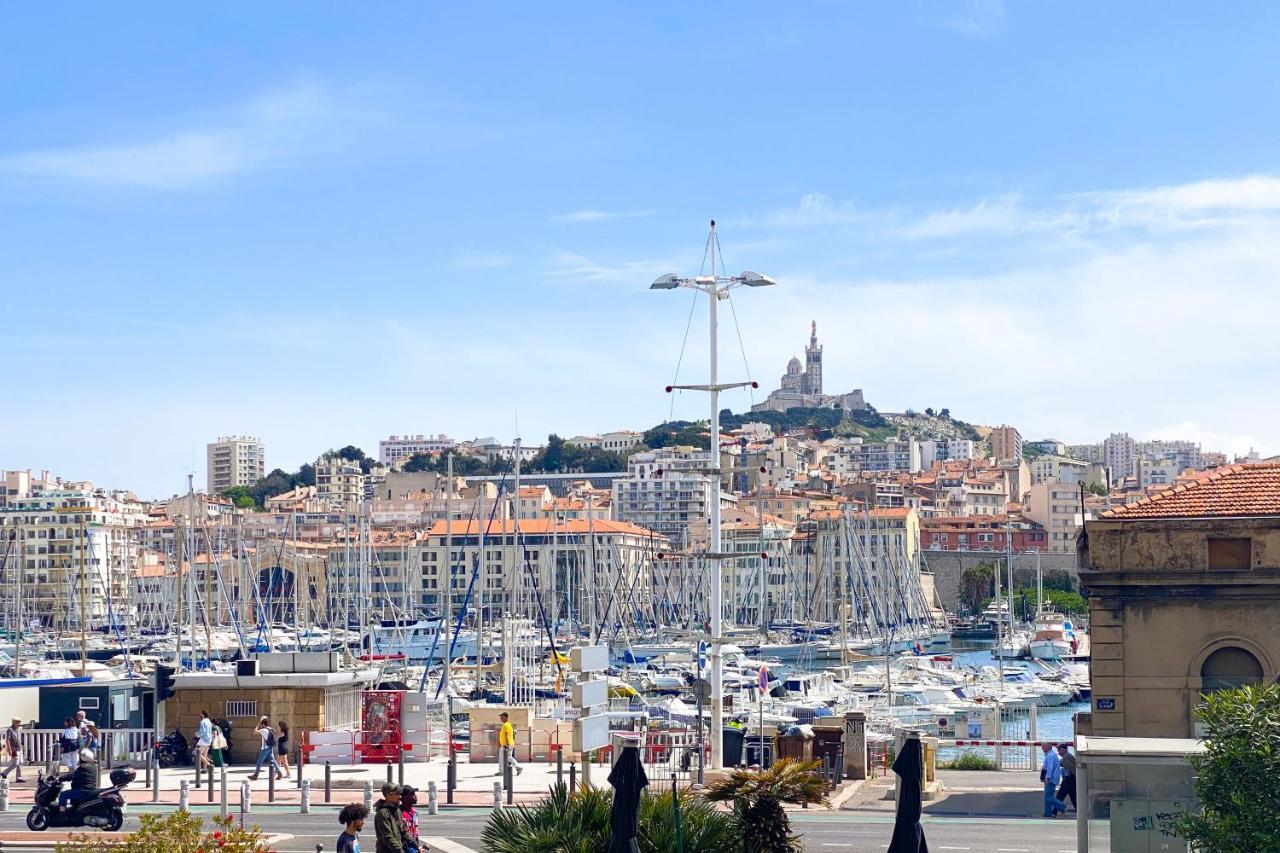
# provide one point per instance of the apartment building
(1094, 454)
(1181, 454)
(1006, 443)
(1056, 508)
(397, 449)
(852, 455)
(234, 460)
(70, 549)
(1047, 445)
(340, 484)
(759, 574)
(1049, 468)
(665, 490)
(1120, 454)
(982, 533)
(944, 450)
(571, 566)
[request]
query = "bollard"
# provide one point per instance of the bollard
(246, 801)
(451, 775)
(210, 784)
(197, 775)
(4, 795)
(559, 765)
(271, 784)
(433, 801)
(388, 770)
(222, 789)
(183, 794)
(299, 768)
(497, 796)
(573, 777)
(155, 778)
(328, 780)
(508, 774)
(368, 795)
(400, 749)
(146, 779)
(305, 807)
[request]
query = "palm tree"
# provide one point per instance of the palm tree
(758, 796)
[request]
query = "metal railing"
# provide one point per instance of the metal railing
(41, 747)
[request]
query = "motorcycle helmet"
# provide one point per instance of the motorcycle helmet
(86, 754)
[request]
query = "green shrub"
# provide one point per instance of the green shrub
(178, 832)
(969, 760)
(1237, 779)
(578, 822)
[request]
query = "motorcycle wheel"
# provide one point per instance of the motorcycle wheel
(37, 820)
(115, 820)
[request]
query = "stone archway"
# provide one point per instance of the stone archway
(1228, 667)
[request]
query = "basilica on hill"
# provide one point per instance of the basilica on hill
(801, 385)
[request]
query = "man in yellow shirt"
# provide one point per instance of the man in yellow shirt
(507, 745)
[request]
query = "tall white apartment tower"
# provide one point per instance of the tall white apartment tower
(234, 460)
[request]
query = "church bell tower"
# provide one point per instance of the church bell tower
(813, 363)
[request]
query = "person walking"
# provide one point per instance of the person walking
(1068, 787)
(352, 818)
(217, 747)
(204, 739)
(409, 815)
(90, 738)
(1050, 776)
(282, 746)
(267, 752)
(13, 743)
(69, 743)
(388, 825)
(507, 746)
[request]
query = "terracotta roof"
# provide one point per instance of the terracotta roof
(540, 527)
(1233, 490)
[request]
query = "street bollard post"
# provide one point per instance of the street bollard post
(198, 775)
(155, 778)
(271, 784)
(559, 765)
(388, 770)
(368, 795)
(305, 804)
(210, 774)
(451, 775)
(183, 793)
(508, 775)
(4, 795)
(400, 777)
(299, 768)
(246, 799)
(497, 796)
(573, 776)
(146, 779)
(433, 801)
(328, 781)
(222, 790)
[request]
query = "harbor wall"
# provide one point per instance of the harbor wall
(947, 566)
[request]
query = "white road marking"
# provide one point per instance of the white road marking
(445, 845)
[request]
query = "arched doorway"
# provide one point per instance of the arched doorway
(1228, 667)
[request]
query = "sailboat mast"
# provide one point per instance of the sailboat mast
(447, 622)
(84, 640)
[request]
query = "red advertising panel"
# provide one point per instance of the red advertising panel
(380, 723)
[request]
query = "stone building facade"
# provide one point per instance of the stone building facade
(1184, 593)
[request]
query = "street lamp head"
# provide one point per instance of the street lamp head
(755, 279)
(670, 281)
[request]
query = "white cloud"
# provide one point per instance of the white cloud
(599, 215)
(966, 17)
(267, 130)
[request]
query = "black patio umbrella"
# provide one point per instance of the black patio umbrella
(628, 780)
(908, 834)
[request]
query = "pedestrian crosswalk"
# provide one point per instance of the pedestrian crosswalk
(444, 845)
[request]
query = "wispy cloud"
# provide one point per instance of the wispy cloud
(267, 130)
(590, 215)
(1197, 205)
(966, 17)
(573, 266)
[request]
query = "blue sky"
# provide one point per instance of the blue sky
(322, 223)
